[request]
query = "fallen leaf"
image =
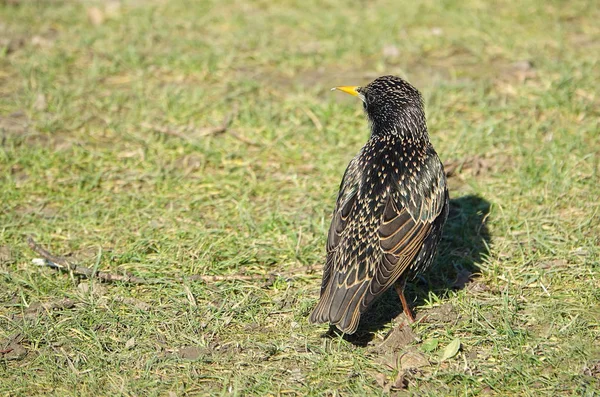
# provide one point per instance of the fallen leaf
(134, 302)
(130, 343)
(382, 381)
(40, 41)
(390, 51)
(40, 103)
(94, 288)
(190, 352)
(477, 287)
(451, 350)
(580, 251)
(390, 360)
(396, 339)
(11, 349)
(400, 382)
(413, 359)
(296, 375)
(95, 16)
(436, 31)
(430, 345)
(592, 369)
(439, 314)
(553, 264)
(462, 278)
(112, 9)
(6, 255)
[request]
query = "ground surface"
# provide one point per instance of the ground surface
(111, 155)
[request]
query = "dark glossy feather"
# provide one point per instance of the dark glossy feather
(388, 219)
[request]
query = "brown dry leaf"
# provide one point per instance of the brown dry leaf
(400, 383)
(11, 348)
(590, 96)
(95, 289)
(413, 359)
(6, 256)
(189, 352)
(462, 279)
(553, 264)
(130, 343)
(593, 369)
(138, 304)
(390, 51)
(11, 45)
(396, 339)
(437, 31)
(380, 379)
(523, 70)
(38, 308)
(477, 287)
(389, 360)
(112, 9)
(439, 314)
(382, 382)
(95, 16)
(40, 103)
(41, 41)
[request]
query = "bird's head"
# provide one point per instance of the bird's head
(392, 106)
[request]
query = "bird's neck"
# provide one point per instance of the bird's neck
(404, 126)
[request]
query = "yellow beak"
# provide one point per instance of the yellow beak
(352, 90)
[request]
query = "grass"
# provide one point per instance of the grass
(511, 94)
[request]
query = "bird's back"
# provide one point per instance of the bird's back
(386, 225)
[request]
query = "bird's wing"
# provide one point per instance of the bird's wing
(429, 186)
(344, 207)
(370, 245)
(400, 238)
(406, 224)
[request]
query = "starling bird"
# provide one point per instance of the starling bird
(390, 210)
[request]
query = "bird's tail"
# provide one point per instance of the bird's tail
(341, 306)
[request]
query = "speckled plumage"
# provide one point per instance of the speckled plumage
(390, 211)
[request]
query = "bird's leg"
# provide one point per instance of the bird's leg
(399, 285)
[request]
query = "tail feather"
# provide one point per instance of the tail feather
(340, 306)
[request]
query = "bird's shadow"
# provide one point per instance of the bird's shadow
(465, 241)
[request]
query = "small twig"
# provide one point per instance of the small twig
(58, 261)
(38, 309)
(313, 117)
(221, 128)
(190, 132)
(165, 130)
(63, 264)
(65, 303)
(243, 139)
(133, 302)
(236, 277)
